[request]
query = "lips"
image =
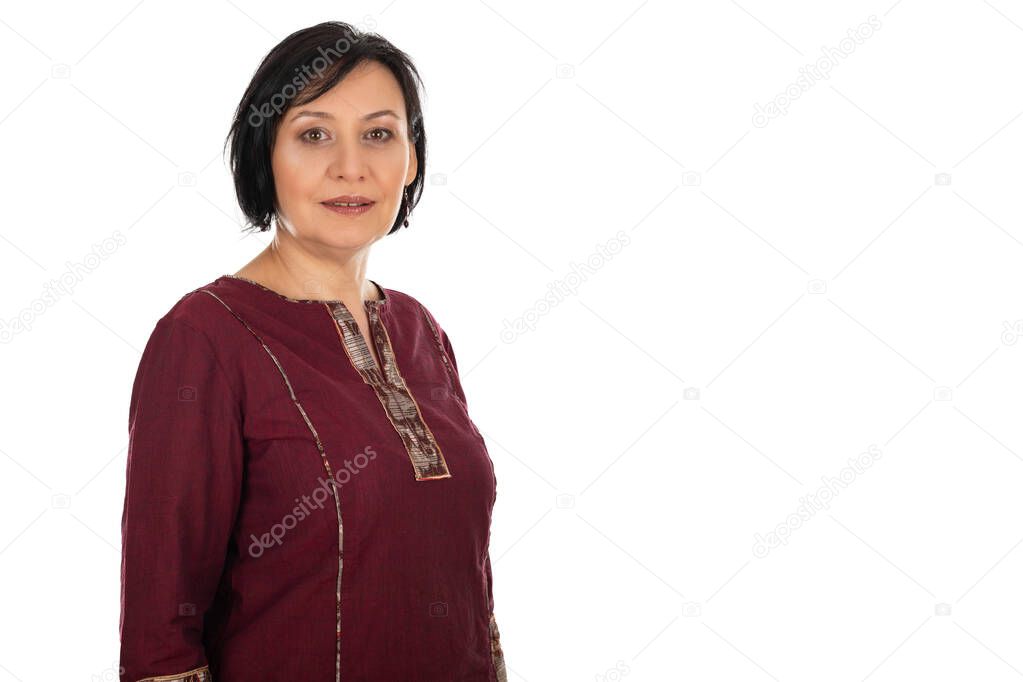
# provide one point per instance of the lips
(346, 209)
(348, 199)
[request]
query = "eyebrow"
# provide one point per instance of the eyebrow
(324, 114)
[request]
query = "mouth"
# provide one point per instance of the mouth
(348, 204)
(348, 200)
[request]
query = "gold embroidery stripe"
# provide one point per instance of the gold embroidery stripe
(495, 651)
(330, 477)
(428, 461)
(198, 675)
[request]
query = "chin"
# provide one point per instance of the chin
(350, 237)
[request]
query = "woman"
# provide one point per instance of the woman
(307, 497)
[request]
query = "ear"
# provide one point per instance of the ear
(413, 165)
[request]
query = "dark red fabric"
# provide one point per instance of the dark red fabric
(219, 455)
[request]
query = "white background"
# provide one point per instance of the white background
(843, 280)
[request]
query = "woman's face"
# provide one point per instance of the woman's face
(352, 140)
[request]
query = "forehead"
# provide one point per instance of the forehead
(368, 88)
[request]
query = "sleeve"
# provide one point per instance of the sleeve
(446, 342)
(184, 473)
(447, 346)
(496, 652)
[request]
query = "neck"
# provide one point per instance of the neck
(299, 274)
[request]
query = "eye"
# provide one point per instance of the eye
(311, 130)
(306, 136)
(381, 130)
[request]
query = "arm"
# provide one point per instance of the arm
(184, 471)
(446, 342)
(496, 652)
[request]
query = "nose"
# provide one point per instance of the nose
(349, 162)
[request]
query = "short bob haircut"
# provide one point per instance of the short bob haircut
(299, 69)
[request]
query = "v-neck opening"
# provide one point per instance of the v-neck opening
(361, 356)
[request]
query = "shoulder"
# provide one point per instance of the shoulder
(197, 310)
(180, 355)
(403, 303)
(188, 339)
(194, 324)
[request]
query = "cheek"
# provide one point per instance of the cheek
(392, 166)
(293, 174)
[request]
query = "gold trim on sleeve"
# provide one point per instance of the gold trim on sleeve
(198, 675)
(496, 653)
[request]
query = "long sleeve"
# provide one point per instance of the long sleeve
(496, 652)
(446, 342)
(184, 474)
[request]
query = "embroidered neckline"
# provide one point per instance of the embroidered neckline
(376, 303)
(385, 379)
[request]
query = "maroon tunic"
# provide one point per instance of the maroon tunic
(295, 511)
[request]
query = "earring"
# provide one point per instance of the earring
(406, 207)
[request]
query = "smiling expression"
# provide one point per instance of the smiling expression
(351, 140)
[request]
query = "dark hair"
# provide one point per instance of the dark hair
(329, 51)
